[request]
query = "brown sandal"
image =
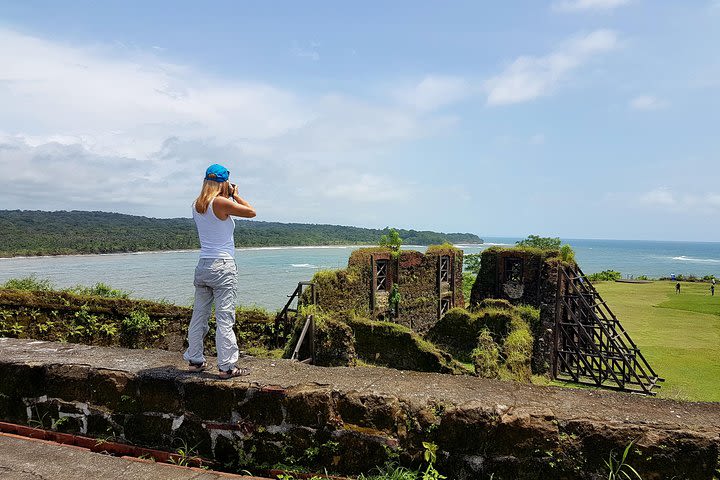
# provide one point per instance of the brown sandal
(197, 367)
(234, 372)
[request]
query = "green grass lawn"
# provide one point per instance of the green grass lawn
(679, 335)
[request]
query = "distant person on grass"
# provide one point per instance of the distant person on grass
(712, 289)
(216, 271)
(677, 287)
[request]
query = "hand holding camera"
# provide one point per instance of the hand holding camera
(233, 190)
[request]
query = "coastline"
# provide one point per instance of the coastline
(274, 247)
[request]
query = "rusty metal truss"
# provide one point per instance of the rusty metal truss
(591, 346)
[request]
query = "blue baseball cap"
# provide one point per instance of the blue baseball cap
(217, 173)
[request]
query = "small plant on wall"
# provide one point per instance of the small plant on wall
(394, 300)
(392, 241)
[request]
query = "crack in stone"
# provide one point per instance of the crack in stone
(37, 475)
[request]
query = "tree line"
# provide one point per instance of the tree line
(26, 232)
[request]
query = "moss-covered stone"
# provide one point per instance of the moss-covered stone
(343, 290)
(334, 341)
(486, 356)
(517, 349)
(498, 303)
(456, 333)
(392, 345)
(475, 337)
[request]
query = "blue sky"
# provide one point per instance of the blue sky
(575, 118)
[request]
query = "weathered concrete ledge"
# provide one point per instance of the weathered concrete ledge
(28, 459)
(351, 419)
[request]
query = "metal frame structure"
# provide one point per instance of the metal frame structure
(445, 275)
(282, 319)
(381, 275)
(309, 331)
(591, 345)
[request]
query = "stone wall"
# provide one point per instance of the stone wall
(349, 420)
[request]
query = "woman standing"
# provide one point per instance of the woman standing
(216, 271)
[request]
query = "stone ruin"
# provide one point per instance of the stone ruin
(578, 338)
(409, 288)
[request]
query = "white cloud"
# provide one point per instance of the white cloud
(95, 128)
(659, 196)
(530, 77)
(366, 188)
(664, 198)
(583, 5)
(435, 91)
(647, 102)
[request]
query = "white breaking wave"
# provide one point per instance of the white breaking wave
(683, 258)
(303, 265)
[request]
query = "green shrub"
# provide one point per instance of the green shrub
(138, 329)
(28, 283)
(531, 316)
(542, 243)
(392, 241)
(471, 262)
(99, 290)
(605, 275)
(567, 254)
(486, 356)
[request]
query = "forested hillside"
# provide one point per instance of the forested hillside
(57, 233)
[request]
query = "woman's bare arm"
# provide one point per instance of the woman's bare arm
(224, 207)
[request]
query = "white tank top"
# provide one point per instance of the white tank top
(216, 236)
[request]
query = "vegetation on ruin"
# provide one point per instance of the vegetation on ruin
(24, 232)
(542, 243)
(486, 356)
(496, 338)
(392, 241)
(334, 341)
(100, 316)
(392, 345)
(548, 244)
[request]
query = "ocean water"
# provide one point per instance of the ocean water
(268, 275)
